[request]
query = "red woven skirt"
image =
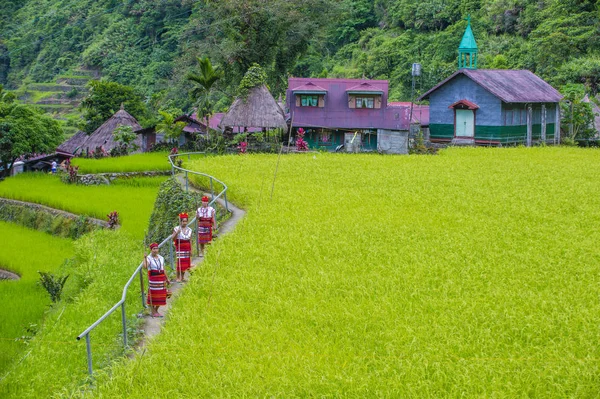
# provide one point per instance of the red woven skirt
(183, 250)
(157, 288)
(204, 230)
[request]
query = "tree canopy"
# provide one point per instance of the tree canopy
(105, 98)
(25, 130)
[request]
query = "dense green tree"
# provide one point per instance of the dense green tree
(105, 98)
(578, 118)
(25, 130)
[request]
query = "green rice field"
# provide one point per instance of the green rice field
(473, 273)
(149, 161)
(132, 198)
(24, 252)
(102, 263)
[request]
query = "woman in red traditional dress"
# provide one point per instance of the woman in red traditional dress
(182, 238)
(206, 223)
(157, 280)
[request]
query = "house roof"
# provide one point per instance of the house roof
(511, 86)
(103, 136)
(259, 109)
(420, 112)
(73, 144)
(365, 88)
(464, 103)
(309, 88)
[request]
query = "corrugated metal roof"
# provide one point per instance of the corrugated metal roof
(511, 86)
(364, 87)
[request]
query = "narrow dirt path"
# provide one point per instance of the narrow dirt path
(152, 326)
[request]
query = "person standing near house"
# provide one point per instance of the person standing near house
(206, 222)
(182, 238)
(157, 280)
(53, 166)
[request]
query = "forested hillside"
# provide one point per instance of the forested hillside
(153, 44)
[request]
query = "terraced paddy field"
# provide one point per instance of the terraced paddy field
(45, 360)
(24, 252)
(469, 274)
(132, 198)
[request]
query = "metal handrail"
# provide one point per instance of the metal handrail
(138, 270)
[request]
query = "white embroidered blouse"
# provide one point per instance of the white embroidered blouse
(157, 263)
(207, 212)
(182, 233)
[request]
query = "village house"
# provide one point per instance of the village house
(492, 107)
(102, 138)
(353, 114)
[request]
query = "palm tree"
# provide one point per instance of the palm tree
(167, 126)
(204, 82)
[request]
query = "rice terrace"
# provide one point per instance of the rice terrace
(472, 273)
(299, 199)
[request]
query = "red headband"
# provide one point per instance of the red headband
(183, 215)
(205, 199)
(153, 245)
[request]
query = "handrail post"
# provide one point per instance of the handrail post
(142, 288)
(89, 353)
(124, 320)
(225, 198)
(187, 190)
(212, 192)
(171, 254)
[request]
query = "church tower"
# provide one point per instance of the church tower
(467, 51)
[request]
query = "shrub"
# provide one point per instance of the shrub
(113, 219)
(54, 285)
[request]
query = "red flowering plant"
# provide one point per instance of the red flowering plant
(301, 144)
(113, 219)
(174, 151)
(243, 147)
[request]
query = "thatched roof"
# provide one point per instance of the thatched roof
(258, 110)
(103, 136)
(74, 143)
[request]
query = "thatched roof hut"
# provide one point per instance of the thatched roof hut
(259, 109)
(103, 136)
(73, 144)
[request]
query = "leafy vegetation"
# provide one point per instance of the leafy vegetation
(105, 98)
(24, 301)
(465, 274)
(154, 46)
(25, 130)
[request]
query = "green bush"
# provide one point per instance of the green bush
(53, 284)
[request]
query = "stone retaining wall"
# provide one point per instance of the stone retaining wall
(105, 178)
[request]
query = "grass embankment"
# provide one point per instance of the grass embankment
(474, 273)
(149, 161)
(25, 252)
(133, 198)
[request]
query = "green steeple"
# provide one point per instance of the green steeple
(467, 51)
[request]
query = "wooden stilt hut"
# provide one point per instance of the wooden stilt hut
(103, 136)
(259, 110)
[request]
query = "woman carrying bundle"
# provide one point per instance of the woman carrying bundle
(157, 280)
(206, 223)
(182, 238)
